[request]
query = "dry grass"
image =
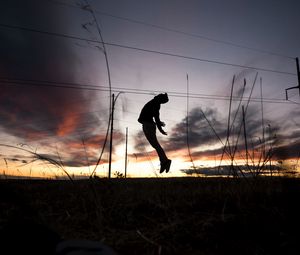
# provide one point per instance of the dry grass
(164, 216)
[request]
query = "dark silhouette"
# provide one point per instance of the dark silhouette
(24, 230)
(150, 111)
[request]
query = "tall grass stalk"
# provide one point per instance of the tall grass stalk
(89, 8)
(41, 157)
(187, 121)
(258, 151)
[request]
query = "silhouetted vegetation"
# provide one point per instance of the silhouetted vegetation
(163, 216)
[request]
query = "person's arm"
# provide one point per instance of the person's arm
(159, 123)
(159, 127)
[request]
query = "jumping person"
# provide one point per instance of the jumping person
(150, 111)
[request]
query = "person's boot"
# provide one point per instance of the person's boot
(165, 166)
(168, 165)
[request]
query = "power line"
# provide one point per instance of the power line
(143, 49)
(164, 28)
(50, 85)
(79, 86)
(198, 59)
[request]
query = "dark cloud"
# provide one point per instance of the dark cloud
(207, 127)
(288, 151)
(17, 159)
(200, 132)
(291, 137)
(35, 112)
(80, 152)
(291, 121)
(208, 153)
(46, 115)
(241, 86)
(140, 145)
(140, 141)
(227, 170)
(85, 150)
(253, 122)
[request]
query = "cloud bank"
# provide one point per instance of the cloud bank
(36, 113)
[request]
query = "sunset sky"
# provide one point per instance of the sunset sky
(54, 91)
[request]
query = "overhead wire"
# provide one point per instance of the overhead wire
(82, 86)
(170, 54)
(177, 31)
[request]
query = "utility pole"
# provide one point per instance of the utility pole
(126, 142)
(296, 87)
(111, 134)
(298, 73)
(245, 135)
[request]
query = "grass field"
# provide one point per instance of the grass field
(161, 216)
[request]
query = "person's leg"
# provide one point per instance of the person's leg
(150, 133)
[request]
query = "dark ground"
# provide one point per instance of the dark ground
(156, 216)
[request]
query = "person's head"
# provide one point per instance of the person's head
(162, 98)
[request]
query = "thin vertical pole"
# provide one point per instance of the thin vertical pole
(262, 120)
(271, 171)
(187, 120)
(111, 135)
(229, 114)
(126, 142)
(298, 73)
(245, 135)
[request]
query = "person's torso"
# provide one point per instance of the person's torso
(149, 111)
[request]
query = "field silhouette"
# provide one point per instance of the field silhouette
(161, 215)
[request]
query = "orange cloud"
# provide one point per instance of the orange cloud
(67, 126)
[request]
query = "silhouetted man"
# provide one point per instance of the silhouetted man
(150, 111)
